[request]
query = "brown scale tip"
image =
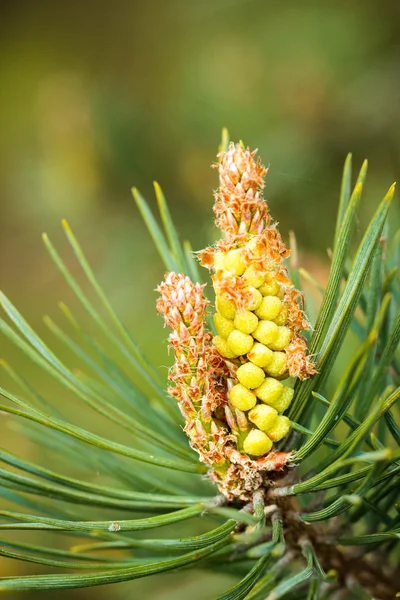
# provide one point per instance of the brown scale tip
(239, 206)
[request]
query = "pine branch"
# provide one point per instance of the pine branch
(313, 516)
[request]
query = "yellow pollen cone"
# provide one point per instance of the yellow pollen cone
(242, 398)
(270, 391)
(257, 443)
(250, 376)
(269, 308)
(279, 429)
(233, 261)
(223, 325)
(285, 400)
(253, 277)
(260, 355)
(282, 339)
(263, 416)
(277, 366)
(270, 288)
(282, 317)
(240, 343)
(245, 321)
(266, 332)
(223, 347)
(256, 297)
(226, 307)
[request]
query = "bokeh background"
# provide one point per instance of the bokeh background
(98, 96)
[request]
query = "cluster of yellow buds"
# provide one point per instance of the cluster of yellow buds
(256, 334)
(229, 386)
(257, 317)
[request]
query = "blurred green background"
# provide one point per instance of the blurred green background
(99, 96)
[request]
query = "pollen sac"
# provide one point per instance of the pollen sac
(255, 297)
(260, 355)
(283, 339)
(277, 366)
(223, 325)
(226, 307)
(241, 397)
(282, 401)
(282, 318)
(253, 277)
(263, 416)
(245, 321)
(240, 343)
(223, 347)
(269, 308)
(270, 288)
(233, 261)
(270, 391)
(286, 399)
(266, 332)
(250, 375)
(257, 443)
(279, 428)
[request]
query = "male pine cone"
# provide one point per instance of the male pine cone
(229, 386)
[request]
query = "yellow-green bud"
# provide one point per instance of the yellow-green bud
(282, 339)
(282, 317)
(223, 347)
(277, 366)
(233, 261)
(226, 307)
(283, 401)
(280, 401)
(245, 321)
(242, 398)
(266, 332)
(269, 308)
(223, 325)
(260, 355)
(257, 443)
(240, 343)
(270, 391)
(250, 376)
(256, 297)
(279, 429)
(263, 416)
(270, 288)
(253, 277)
